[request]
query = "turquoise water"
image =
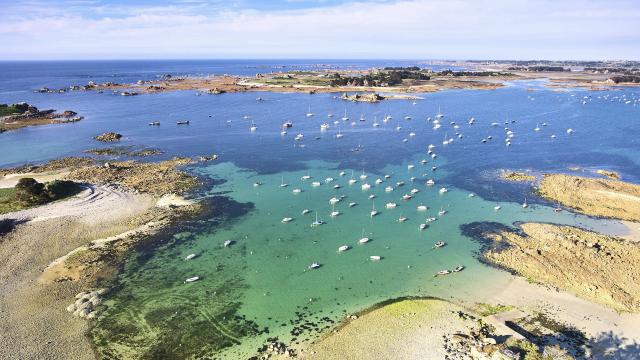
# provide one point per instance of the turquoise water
(260, 287)
(264, 278)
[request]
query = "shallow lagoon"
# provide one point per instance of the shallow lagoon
(260, 286)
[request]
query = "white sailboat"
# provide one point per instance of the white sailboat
(345, 117)
(374, 212)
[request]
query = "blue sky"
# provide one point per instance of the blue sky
(400, 29)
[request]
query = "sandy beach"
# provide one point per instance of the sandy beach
(33, 319)
(55, 251)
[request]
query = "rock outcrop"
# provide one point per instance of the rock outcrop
(595, 197)
(108, 137)
(593, 266)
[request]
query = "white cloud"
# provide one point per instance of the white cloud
(402, 29)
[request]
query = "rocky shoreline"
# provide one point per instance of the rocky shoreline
(594, 197)
(69, 252)
(593, 266)
(20, 115)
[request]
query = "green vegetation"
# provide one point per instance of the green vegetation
(28, 193)
(6, 110)
(292, 80)
(485, 309)
(626, 78)
(7, 201)
(381, 78)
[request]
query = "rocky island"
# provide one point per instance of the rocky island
(20, 115)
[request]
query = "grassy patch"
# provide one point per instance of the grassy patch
(6, 110)
(8, 202)
(283, 80)
(55, 190)
(484, 309)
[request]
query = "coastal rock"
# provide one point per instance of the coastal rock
(516, 176)
(108, 137)
(593, 266)
(591, 196)
(368, 97)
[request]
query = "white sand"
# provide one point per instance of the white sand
(593, 319)
(93, 205)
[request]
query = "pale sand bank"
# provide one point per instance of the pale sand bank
(409, 329)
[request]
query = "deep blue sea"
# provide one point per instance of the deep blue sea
(261, 283)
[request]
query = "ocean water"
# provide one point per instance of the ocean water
(260, 286)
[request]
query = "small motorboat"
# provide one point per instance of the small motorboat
(257, 183)
(296, 191)
(402, 219)
(305, 211)
(365, 186)
(228, 243)
(439, 244)
(352, 204)
(306, 177)
(497, 207)
(286, 220)
(443, 190)
(431, 219)
(414, 191)
(378, 181)
(343, 248)
(334, 200)
(328, 180)
(375, 258)
(154, 123)
(315, 183)
(430, 182)
(422, 208)
(335, 213)
(410, 166)
(352, 181)
(192, 279)
(313, 266)
(336, 186)
(472, 195)
(424, 161)
(372, 196)
(442, 212)
(443, 272)
(363, 240)
(184, 122)
(298, 137)
(190, 256)
(342, 173)
(400, 183)
(423, 226)
(391, 205)
(388, 189)
(458, 268)
(406, 197)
